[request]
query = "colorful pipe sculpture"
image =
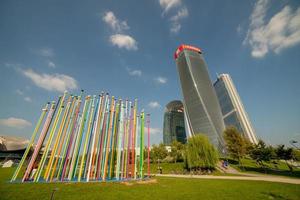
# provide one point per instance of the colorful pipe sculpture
(102, 141)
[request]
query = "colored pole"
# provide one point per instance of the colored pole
(114, 138)
(101, 136)
(136, 146)
(58, 138)
(133, 138)
(67, 139)
(52, 131)
(80, 136)
(98, 138)
(64, 131)
(142, 146)
(148, 159)
(109, 136)
(105, 137)
(91, 141)
(86, 142)
(94, 138)
(121, 130)
(73, 129)
(37, 127)
(40, 142)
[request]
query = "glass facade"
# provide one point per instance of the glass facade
(232, 108)
(201, 106)
(174, 128)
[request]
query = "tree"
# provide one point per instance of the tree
(200, 153)
(177, 150)
(262, 153)
(284, 154)
(296, 154)
(236, 144)
(158, 152)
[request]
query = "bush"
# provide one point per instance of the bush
(200, 153)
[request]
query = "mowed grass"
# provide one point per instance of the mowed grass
(162, 188)
(279, 168)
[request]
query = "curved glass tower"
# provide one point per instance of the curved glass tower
(201, 106)
(234, 113)
(174, 123)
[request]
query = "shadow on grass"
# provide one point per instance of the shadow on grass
(271, 195)
(271, 171)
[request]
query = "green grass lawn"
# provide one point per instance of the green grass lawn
(280, 168)
(164, 188)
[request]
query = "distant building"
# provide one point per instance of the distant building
(233, 111)
(174, 128)
(12, 147)
(201, 107)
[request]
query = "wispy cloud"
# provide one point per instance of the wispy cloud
(155, 131)
(168, 4)
(46, 52)
(154, 104)
(134, 72)
(116, 25)
(51, 64)
(28, 99)
(175, 20)
(51, 82)
(161, 80)
(123, 41)
(15, 122)
(19, 92)
(181, 13)
(239, 29)
(280, 32)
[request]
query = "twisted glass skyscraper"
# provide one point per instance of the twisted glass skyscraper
(201, 106)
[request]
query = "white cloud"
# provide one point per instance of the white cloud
(239, 29)
(161, 80)
(155, 131)
(280, 32)
(28, 99)
(175, 20)
(110, 19)
(134, 72)
(154, 104)
(124, 41)
(46, 52)
(168, 4)
(51, 64)
(15, 122)
(51, 82)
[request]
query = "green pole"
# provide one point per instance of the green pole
(37, 127)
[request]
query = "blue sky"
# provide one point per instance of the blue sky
(126, 48)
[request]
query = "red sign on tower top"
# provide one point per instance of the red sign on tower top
(188, 47)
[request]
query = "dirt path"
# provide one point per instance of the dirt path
(250, 178)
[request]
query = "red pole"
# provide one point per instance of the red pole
(148, 125)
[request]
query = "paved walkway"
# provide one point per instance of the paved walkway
(253, 177)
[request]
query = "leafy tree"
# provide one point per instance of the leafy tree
(296, 154)
(284, 154)
(158, 152)
(262, 153)
(200, 153)
(236, 144)
(177, 151)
